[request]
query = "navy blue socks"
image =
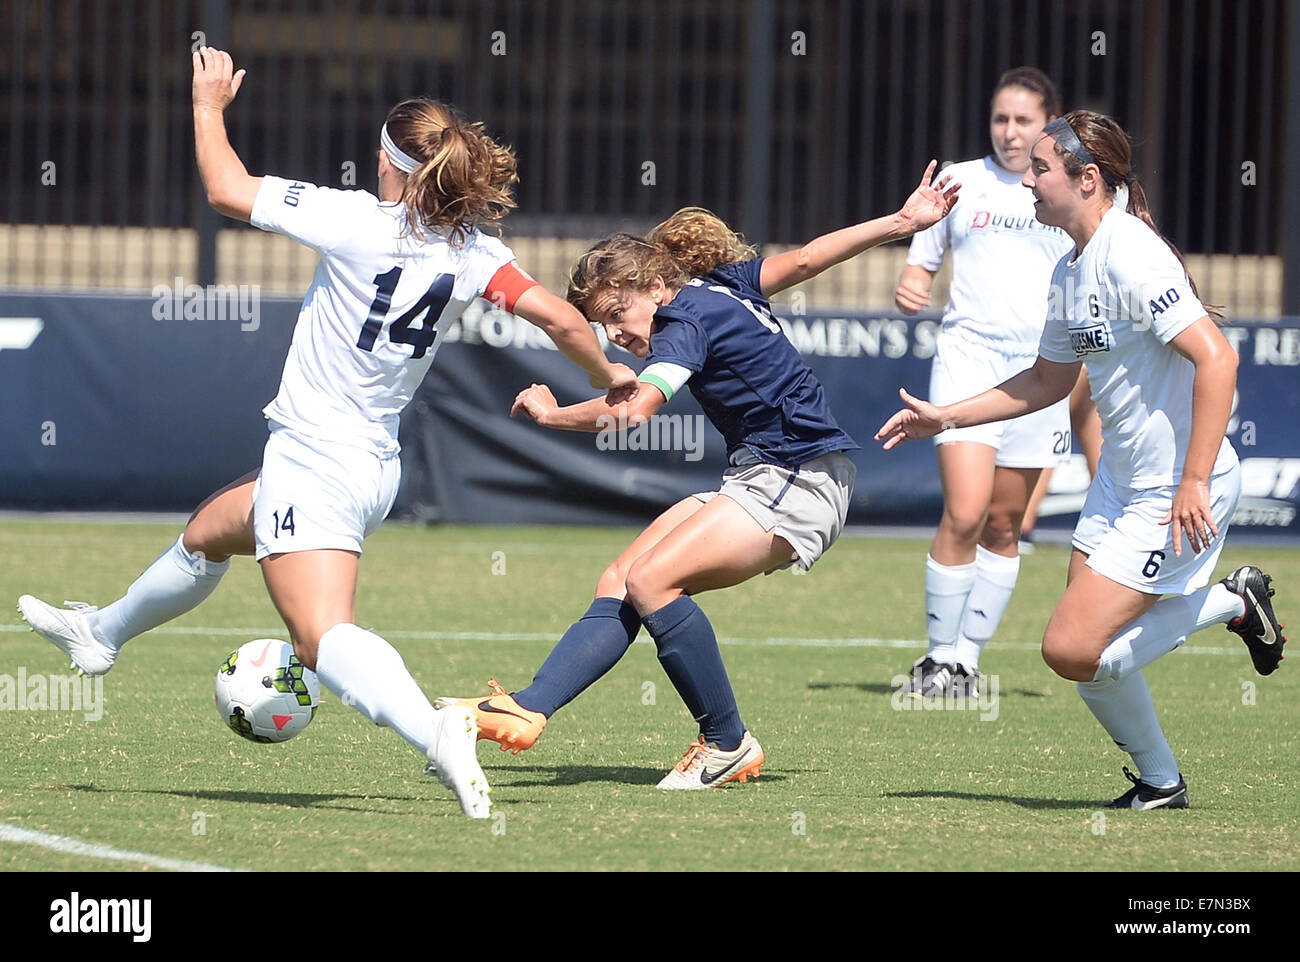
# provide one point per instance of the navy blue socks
(590, 647)
(688, 650)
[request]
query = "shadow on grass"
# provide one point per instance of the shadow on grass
(1045, 803)
(550, 775)
(290, 799)
(876, 688)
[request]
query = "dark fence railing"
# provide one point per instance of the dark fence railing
(789, 117)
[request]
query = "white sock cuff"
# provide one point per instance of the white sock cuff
(340, 651)
(948, 579)
(999, 569)
(1219, 606)
(195, 563)
(346, 633)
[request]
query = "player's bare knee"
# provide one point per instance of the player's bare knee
(612, 583)
(961, 525)
(1062, 654)
(642, 583)
(202, 538)
(1001, 533)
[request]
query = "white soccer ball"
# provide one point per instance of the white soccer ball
(264, 693)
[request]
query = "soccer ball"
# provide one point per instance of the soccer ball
(264, 693)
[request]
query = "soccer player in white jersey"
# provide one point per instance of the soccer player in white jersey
(1002, 258)
(1167, 486)
(396, 269)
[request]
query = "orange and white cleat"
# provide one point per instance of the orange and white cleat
(707, 766)
(501, 719)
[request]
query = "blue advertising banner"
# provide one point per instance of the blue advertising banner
(153, 402)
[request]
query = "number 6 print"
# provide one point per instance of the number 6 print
(1152, 567)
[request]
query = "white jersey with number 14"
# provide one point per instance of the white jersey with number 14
(375, 312)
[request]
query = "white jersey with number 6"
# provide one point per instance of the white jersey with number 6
(375, 312)
(1116, 307)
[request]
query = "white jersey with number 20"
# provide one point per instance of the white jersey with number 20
(1116, 307)
(375, 312)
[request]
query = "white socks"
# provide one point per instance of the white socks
(171, 586)
(369, 674)
(1118, 695)
(946, 588)
(1166, 626)
(1125, 710)
(995, 579)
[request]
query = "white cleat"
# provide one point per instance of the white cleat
(707, 766)
(453, 759)
(68, 629)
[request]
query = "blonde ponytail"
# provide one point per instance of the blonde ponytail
(464, 181)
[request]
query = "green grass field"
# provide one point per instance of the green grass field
(850, 782)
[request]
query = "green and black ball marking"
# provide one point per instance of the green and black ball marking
(242, 726)
(289, 680)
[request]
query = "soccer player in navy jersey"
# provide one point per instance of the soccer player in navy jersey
(692, 299)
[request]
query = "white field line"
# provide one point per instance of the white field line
(75, 846)
(279, 631)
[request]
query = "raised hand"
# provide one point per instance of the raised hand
(215, 79)
(929, 203)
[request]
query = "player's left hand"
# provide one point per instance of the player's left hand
(215, 79)
(929, 203)
(622, 385)
(535, 401)
(1190, 515)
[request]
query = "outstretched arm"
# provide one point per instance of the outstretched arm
(230, 188)
(927, 205)
(598, 414)
(1031, 390)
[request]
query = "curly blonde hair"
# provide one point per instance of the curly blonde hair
(693, 242)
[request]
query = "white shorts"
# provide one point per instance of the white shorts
(806, 506)
(962, 369)
(314, 494)
(1119, 529)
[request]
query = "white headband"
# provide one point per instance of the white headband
(402, 161)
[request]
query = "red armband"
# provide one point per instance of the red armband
(507, 285)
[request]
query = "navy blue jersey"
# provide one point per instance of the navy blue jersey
(749, 379)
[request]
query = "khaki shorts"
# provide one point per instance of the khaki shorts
(806, 506)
